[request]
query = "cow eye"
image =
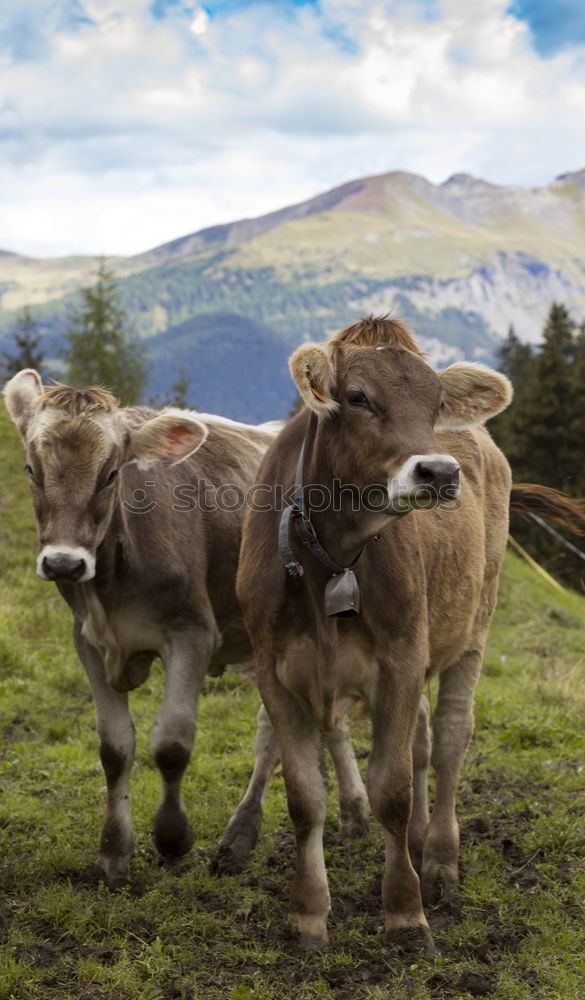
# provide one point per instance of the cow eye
(356, 397)
(31, 474)
(110, 478)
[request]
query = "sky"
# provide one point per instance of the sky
(125, 124)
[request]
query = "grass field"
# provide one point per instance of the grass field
(181, 933)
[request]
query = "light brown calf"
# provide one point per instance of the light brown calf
(377, 414)
(132, 530)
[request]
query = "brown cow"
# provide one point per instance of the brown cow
(425, 585)
(146, 561)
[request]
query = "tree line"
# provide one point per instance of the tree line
(101, 347)
(543, 431)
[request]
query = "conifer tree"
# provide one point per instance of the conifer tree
(180, 389)
(515, 359)
(27, 352)
(547, 409)
(576, 470)
(102, 348)
(544, 437)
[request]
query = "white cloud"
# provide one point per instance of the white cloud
(200, 22)
(120, 131)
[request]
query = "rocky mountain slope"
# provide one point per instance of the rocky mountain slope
(460, 260)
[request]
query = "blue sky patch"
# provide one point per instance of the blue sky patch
(555, 24)
(225, 6)
(25, 33)
(162, 9)
(430, 9)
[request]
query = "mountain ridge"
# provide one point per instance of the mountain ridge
(247, 228)
(460, 261)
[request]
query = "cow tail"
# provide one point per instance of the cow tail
(549, 504)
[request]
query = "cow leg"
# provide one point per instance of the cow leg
(301, 746)
(173, 734)
(116, 734)
(394, 711)
(421, 756)
(241, 833)
(353, 800)
(452, 730)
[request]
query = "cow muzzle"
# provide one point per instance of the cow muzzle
(65, 562)
(423, 482)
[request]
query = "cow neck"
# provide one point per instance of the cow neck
(342, 596)
(97, 631)
(96, 625)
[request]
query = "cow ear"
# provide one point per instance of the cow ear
(21, 394)
(169, 438)
(472, 393)
(312, 369)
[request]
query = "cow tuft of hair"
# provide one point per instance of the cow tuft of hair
(74, 402)
(376, 331)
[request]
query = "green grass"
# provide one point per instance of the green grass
(181, 933)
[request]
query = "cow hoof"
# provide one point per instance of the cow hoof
(439, 886)
(224, 862)
(239, 840)
(411, 942)
(312, 944)
(355, 826)
(117, 882)
(309, 932)
(231, 858)
(172, 834)
(114, 875)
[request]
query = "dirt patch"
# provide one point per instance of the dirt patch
(40, 953)
(506, 826)
(471, 983)
(45, 955)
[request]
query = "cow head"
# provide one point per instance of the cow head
(76, 443)
(380, 405)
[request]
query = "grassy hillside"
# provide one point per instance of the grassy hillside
(183, 934)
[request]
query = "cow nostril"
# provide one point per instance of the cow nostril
(424, 473)
(437, 474)
(78, 569)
